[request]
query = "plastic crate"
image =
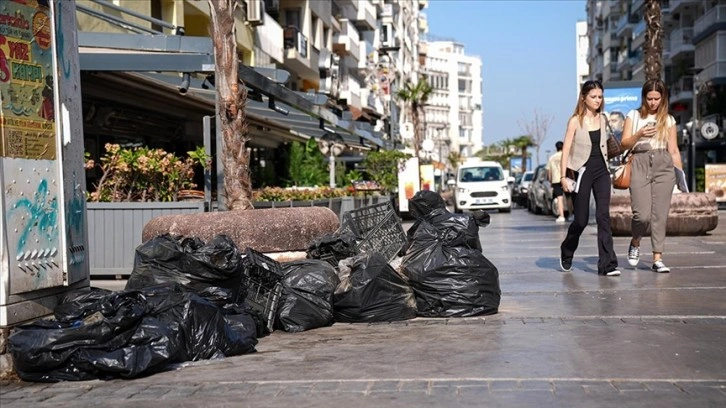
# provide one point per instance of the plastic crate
(262, 279)
(378, 229)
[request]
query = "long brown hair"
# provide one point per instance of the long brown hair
(584, 90)
(661, 114)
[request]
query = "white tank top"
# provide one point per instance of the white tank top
(647, 143)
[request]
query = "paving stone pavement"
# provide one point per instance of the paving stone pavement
(560, 339)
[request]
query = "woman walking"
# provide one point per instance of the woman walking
(650, 133)
(585, 153)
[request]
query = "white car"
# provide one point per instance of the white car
(482, 186)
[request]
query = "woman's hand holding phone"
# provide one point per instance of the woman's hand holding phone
(648, 130)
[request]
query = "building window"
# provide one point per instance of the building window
(292, 18)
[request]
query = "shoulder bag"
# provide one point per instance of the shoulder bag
(621, 175)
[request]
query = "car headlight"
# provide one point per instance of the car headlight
(462, 190)
(505, 188)
(523, 190)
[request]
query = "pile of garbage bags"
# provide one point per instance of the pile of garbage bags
(99, 334)
(444, 262)
(188, 300)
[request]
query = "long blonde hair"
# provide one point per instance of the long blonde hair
(661, 114)
(580, 108)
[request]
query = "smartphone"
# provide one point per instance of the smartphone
(649, 124)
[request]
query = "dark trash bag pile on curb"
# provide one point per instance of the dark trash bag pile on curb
(444, 262)
(212, 270)
(104, 335)
(307, 295)
(370, 290)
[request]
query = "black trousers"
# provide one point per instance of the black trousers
(595, 178)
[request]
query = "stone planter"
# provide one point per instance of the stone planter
(690, 214)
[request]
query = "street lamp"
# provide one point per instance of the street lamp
(331, 144)
(694, 130)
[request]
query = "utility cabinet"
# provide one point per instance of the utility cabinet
(42, 175)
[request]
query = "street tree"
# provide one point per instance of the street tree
(415, 96)
(522, 143)
(653, 47)
(231, 102)
(536, 128)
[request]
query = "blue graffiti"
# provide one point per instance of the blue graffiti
(60, 43)
(75, 208)
(42, 216)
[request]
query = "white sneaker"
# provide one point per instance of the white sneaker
(560, 220)
(633, 255)
(614, 272)
(660, 267)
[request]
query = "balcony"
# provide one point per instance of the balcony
(347, 42)
(625, 26)
(717, 69)
(366, 18)
(350, 91)
(681, 42)
(423, 23)
(682, 90)
(300, 57)
(638, 36)
(610, 40)
(347, 9)
(677, 5)
(716, 15)
(637, 5)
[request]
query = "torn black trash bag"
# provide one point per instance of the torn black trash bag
(129, 334)
(450, 277)
(307, 295)
(212, 270)
(370, 290)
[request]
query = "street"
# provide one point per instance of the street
(559, 339)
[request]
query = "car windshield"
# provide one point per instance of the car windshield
(484, 173)
(528, 176)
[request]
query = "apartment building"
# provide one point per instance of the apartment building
(582, 47)
(694, 60)
(454, 110)
(311, 67)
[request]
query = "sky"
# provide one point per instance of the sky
(528, 58)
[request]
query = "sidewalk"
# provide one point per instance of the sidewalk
(559, 340)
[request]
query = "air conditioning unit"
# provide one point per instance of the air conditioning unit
(255, 12)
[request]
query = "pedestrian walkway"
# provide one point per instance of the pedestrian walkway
(560, 340)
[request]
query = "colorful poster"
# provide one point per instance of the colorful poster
(409, 182)
(618, 102)
(27, 111)
(427, 177)
(716, 181)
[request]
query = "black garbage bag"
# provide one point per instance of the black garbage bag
(370, 290)
(333, 247)
(447, 270)
(212, 270)
(307, 295)
(128, 334)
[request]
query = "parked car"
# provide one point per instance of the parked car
(481, 185)
(540, 192)
(521, 189)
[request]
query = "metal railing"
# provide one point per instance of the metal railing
(120, 22)
(713, 16)
(294, 39)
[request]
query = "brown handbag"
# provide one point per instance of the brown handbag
(621, 175)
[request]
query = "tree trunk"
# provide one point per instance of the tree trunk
(416, 129)
(524, 159)
(653, 40)
(231, 101)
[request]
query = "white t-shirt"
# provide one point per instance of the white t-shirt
(640, 122)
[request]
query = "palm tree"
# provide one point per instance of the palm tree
(231, 102)
(653, 47)
(415, 95)
(454, 159)
(522, 143)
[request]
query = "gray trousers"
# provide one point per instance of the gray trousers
(651, 187)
